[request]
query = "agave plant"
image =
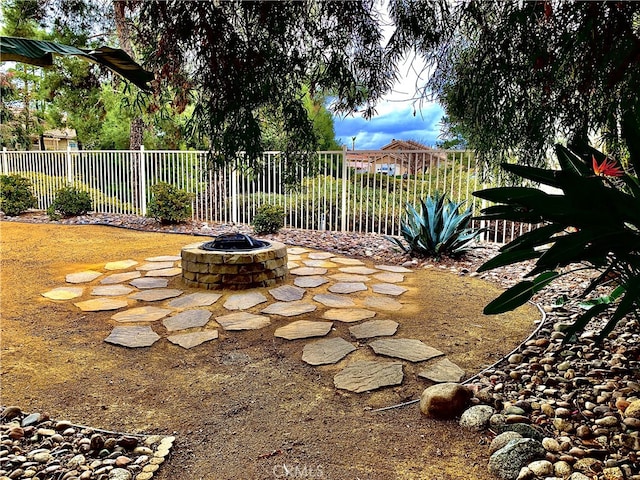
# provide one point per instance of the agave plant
(439, 229)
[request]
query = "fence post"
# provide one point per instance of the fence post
(5, 162)
(235, 208)
(69, 166)
(343, 205)
(142, 182)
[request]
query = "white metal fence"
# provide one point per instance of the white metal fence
(361, 191)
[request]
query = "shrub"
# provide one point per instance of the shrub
(594, 223)
(438, 230)
(16, 196)
(69, 202)
(169, 204)
(268, 219)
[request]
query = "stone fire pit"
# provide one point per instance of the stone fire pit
(233, 262)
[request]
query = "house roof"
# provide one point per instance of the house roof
(405, 145)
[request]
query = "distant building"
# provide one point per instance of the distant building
(399, 157)
(56, 140)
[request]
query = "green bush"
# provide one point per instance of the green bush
(268, 219)
(439, 229)
(69, 202)
(169, 204)
(16, 196)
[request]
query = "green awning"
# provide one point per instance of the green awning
(40, 53)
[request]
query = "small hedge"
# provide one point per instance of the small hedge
(268, 219)
(16, 195)
(69, 202)
(169, 204)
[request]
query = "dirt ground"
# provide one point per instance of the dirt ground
(245, 405)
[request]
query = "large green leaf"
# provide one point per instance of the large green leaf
(519, 294)
(538, 175)
(571, 163)
(508, 258)
(534, 238)
(583, 320)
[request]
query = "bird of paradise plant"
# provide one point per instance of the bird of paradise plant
(593, 223)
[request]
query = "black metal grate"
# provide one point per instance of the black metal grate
(234, 241)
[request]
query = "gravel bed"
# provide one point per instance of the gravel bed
(581, 399)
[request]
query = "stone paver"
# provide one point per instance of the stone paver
(347, 261)
(243, 321)
(120, 277)
(296, 250)
(242, 301)
(347, 287)
(389, 277)
(165, 272)
(292, 265)
(388, 289)
(310, 282)
(101, 304)
(383, 303)
(198, 299)
(326, 351)
(287, 293)
(64, 293)
(334, 301)
(111, 290)
(320, 263)
(146, 282)
(307, 271)
(133, 337)
(193, 339)
(405, 348)
(348, 315)
(349, 277)
(374, 328)
(293, 257)
(145, 267)
(82, 277)
(187, 319)
(303, 329)
(163, 258)
(120, 265)
(156, 294)
(290, 309)
(320, 255)
(443, 371)
(358, 270)
(394, 268)
(141, 314)
(367, 375)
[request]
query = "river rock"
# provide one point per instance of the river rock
(502, 439)
(476, 417)
(509, 460)
(445, 400)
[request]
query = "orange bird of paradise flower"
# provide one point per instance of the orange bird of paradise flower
(607, 168)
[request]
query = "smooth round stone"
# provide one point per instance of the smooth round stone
(367, 375)
(146, 282)
(64, 293)
(120, 277)
(349, 277)
(243, 321)
(193, 339)
(393, 268)
(119, 474)
(308, 271)
(187, 319)
(101, 304)
(82, 277)
(383, 303)
(198, 299)
(320, 255)
(312, 281)
(146, 267)
(334, 301)
(303, 329)
(320, 263)
(120, 265)
(156, 294)
(347, 287)
(374, 328)
(141, 314)
(388, 289)
(242, 301)
(347, 261)
(111, 290)
(359, 270)
(287, 293)
(133, 337)
(164, 258)
(348, 314)
(165, 272)
(389, 277)
(289, 309)
(443, 371)
(326, 351)
(405, 348)
(296, 250)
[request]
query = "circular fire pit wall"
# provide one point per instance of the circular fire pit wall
(225, 264)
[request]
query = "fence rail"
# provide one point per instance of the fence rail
(356, 191)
